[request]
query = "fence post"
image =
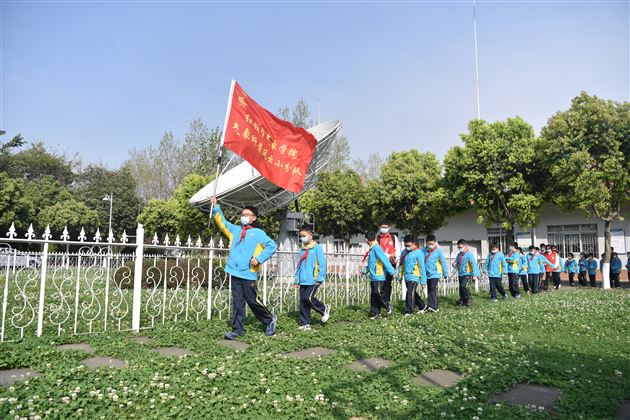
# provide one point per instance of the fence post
(348, 277)
(42, 287)
(265, 284)
(210, 278)
(137, 279)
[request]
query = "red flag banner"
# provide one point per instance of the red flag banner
(280, 151)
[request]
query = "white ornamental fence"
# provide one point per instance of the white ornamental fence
(100, 284)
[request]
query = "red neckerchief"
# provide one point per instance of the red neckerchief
(244, 232)
(426, 257)
(492, 259)
(531, 256)
(459, 259)
(303, 257)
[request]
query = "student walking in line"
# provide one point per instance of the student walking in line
(495, 267)
(466, 268)
(522, 272)
(391, 247)
(249, 248)
(582, 264)
(310, 273)
(411, 269)
(553, 268)
(571, 267)
(377, 266)
(513, 260)
(436, 268)
(591, 267)
(615, 270)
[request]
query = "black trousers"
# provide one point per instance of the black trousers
(513, 284)
(592, 278)
(246, 291)
(376, 297)
(614, 280)
(555, 276)
(464, 294)
(495, 284)
(582, 278)
(432, 285)
(534, 282)
(571, 279)
(308, 301)
(525, 282)
(386, 292)
(413, 298)
(544, 283)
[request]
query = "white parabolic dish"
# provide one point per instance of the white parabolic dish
(244, 186)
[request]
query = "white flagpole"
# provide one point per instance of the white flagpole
(220, 150)
(476, 60)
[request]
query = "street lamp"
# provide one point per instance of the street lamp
(110, 198)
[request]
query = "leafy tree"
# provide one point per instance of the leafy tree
(160, 216)
(190, 220)
(15, 205)
(409, 193)
(73, 214)
(200, 149)
(36, 162)
(369, 169)
(95, 182)
(495, 173)
(300, 116)
(587, 153)
(339, 205)
(42, 193)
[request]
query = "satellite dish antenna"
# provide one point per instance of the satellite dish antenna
(244, 186)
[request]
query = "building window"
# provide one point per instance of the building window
(573, 239)
(497, 236)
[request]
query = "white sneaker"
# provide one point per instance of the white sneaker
(423, 310)
(390, 309)
(433, 310)
(304, 327)
(377, 316)
(408, 314)
(326, 313)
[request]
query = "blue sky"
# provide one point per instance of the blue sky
(100, 78)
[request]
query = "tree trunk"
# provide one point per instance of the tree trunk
(606, 264)
(509, 238)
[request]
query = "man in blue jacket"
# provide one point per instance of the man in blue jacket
(249, 248)
(436, 268)
(411, 268)
(465, 265)
(513, 260)
(310, 273)
(377, 265)
(495, 267)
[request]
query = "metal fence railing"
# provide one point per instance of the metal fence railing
(87, 286)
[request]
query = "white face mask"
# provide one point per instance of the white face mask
(533, 251)
(409, 248)
(245, 220)
(305, 239)
(460, 249)
(384, 230)
(494, 251)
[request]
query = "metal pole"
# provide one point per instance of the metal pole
(476, 60)
(220, 150)
(111, 203)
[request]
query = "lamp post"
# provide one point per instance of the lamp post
(110, 198)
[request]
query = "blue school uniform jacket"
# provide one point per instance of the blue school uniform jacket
(255, 244)
(523, 265)
(615, 265)
(434, 263)
(378, 263)
(533, 263)
(496, 265)
(466, 265)
(513, 261)
(412, 266)
(583, 264)
(592, 267)
(571, 266)
(312, 269)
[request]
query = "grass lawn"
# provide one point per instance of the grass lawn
(578, 341)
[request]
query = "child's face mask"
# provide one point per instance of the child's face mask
(384, 230)
(305, 239)
(409, 247)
